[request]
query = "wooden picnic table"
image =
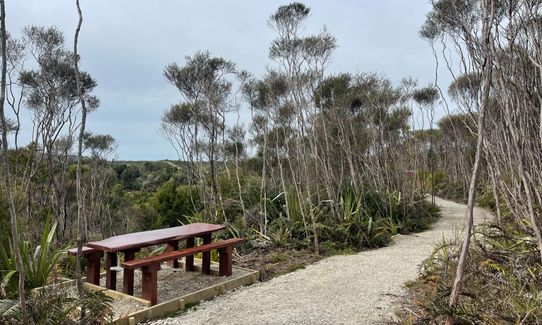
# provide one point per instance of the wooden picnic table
(129, 244)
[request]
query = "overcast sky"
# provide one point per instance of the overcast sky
(125, 45)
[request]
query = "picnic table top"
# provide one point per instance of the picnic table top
(84, 250)
(154, 237)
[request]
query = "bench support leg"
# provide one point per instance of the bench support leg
(189, 260)
(111, 276)
(171, 247)
(93, 267)
(225, 261)
(128, 276)
(206, 256)
(149, 283)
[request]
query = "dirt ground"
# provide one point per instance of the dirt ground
(174, 283)
(275, 261)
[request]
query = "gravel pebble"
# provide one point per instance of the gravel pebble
(346, 289)
(174, 283)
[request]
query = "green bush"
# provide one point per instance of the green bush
(367, 219)
(4, 221)
(503, 262)
(59, 306)
(486, 199)
(38, 262)
(418, 216)
(173, 203)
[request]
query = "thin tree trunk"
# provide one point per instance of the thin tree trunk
(530, 205)
(263, 187)
(5, 166)
(80, 199)
(495, 194)
(458, 282)
(486, 78)
(239, 188)
(432, 154)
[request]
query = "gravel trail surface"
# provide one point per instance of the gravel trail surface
(345, 289)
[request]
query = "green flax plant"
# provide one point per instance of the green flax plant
(38, 262)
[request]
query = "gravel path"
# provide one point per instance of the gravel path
(347, 289)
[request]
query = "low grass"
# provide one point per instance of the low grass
(502, 283)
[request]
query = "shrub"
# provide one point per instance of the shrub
(367, 219)
(503, 262)
(59, 306)
(173, 202)
(38, 262)
(486, 199)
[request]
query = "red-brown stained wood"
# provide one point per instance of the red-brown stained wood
(93, 267)
(142, 262)
(206, 256)
(189, 259)
(225, 261)
(150, 265)
(85, 250)
(149, 283)
(93, 257)
(171, 247)
(154, 237)
(110, 276)
(128, 275)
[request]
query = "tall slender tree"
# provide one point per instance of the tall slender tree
(5, 164)
(206, 84)
(79, 190)
(469, 25)
(427, 98)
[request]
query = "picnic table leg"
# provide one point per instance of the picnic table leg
(93, 267)
(171, 247)
(206, 256)
(128, 276)
(149, 283)
(110, 275)
(225, 261)
(189, 260)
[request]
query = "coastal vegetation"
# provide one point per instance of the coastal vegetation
(328, 163)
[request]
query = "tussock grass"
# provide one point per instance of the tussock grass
(503, 282)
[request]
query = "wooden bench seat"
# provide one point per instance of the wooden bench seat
(151, 265)
(93, 257)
